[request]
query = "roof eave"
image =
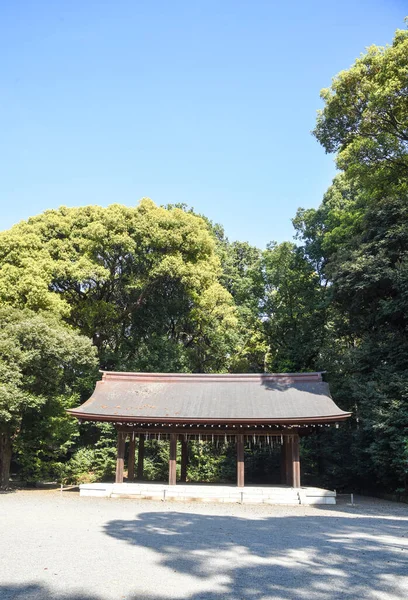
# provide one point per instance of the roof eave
(191, 421)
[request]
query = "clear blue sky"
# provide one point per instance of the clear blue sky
(209, 102)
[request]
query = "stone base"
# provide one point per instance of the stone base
(311, 495)
(210, 493)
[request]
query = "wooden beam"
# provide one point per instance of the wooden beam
(173, 459)
(296, 462)
(240, 461)
(140, 456)
(184, 459)
(120, 457)
(131, 458)
(215, 431)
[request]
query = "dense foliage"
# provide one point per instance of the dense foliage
(140, 282)
(44, 368)
(162, 289)
(357, 241)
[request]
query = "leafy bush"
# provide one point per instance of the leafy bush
(89, 465)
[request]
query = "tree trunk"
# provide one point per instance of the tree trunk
(5, 459)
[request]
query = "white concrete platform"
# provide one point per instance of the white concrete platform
(211, 493)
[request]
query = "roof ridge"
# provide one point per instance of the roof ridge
(168, 377)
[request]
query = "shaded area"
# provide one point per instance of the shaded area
(35, 591)
(292, 557)
(7, 490)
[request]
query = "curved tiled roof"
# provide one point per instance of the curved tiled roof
(216, 398)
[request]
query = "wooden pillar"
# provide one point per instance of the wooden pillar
(283, 461)
(296, 461)
(140, 456)
(184, 459)
(240, 461)
(131, 458)
(288, 460)
(173, 459)
(120, 457)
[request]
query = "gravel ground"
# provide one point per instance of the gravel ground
(57, 546)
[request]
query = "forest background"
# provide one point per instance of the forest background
(162, 289)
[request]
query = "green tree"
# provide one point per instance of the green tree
(324, 231)
(142, 282)
(365, 117)
(44, 367)
(294, 309)
(358, 241)
(243, 278)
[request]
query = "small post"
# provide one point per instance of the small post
(240, 461)
(120, 457)
(173, 459)
(140, 457)
(131, 457)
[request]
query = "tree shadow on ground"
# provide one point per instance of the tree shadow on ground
(332, 555)
(37, 591)
(323, 556)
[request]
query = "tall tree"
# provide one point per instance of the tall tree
(243, 278)
(294, 309)
(44, 366)
(142, 282)
(365, 117)
(358, 238)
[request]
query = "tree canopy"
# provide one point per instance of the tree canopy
(365, 117)
(44, 368)
(141, 282)
(358, 241)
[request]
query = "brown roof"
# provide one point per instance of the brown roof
(218, 398)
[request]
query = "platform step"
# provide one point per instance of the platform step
(210, 493)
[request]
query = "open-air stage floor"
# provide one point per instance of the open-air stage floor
(260, 494)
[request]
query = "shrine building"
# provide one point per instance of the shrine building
(276, 409)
